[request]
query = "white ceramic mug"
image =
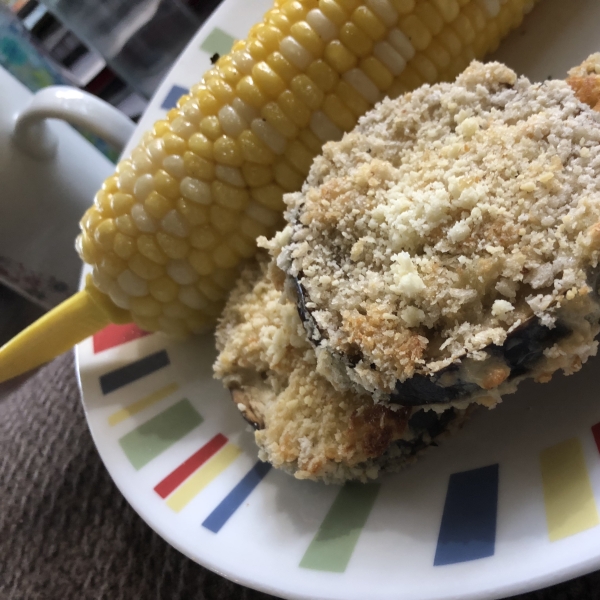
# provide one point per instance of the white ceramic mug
(49, 174)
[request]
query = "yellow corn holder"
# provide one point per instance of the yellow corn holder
(167, 232)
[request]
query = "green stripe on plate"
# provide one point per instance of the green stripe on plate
(159, 433)
(217, 41)
(335, 540)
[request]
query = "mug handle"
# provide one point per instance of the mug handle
(33, 136)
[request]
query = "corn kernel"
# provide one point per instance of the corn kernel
(231, 122)
(348, 5)
(182, 128)
(203, 237)
(256, 50)
(410, 79)
(105, 234)
(177, 310)
(121, 203)
(198, 167)
(287, 177)
(174, 166)
(322, 26)
(267, 80)
(191, 297)
(269, 135)
(140, 160)
(161, 128)
(250, 93)
(172, 114)
(201, 262)
(166, 185)
(127, 179)
(333, 11)
(157, 205)
(87, 249)
(339, 57)
(463, 28)
(225, 195)
(124, 246)
(448, 9)
(226, 151)
(173, 247)
(474, 13)
(429, 16)
(363, 18)
(242, 246)
(230, 175)
(376, 72)
(111, 184)
(356, 40)
(438, 55)
(352, 99)
(307, 91)
(194, 213)
(145, 307)
(132, 284)
(300, 156)
(174, 224)
(208, 104)
(222, 91)
(268, 36)
(191, 111)
(223, 219)
(389, 57)
(416, 32)
(209, 289)
(295, 52)
(281, 66)
(294, 108)
(112, 264)
(270, 196)
(126, 225)
(225, 277)
(148, 247)
(424, 67)
(273, 115)
(181, 272)
(229, 74)
(225, 257)
(396, 89)
(211, 127)
(156, 151)
(323, 75)
(163, 289)
(173, 144)
(145, 268)
(294, 11)
(256, 175)
(338, 113)
(252, 229)
(311, 141)
(174, 327)
(254, 149)
(450, 41)
(305, 35)
(401, 43)
(279, 20)
(358, 79)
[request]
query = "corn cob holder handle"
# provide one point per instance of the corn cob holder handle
(167, 232)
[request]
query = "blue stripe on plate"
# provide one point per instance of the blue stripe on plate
(468, 529)
(220, 515)
(172, 96)
(113, 380)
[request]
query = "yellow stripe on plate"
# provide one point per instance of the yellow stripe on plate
(568, 495)
(188, 490)
(140, 405)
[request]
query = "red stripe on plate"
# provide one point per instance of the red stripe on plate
(115, 335)
(185, 469)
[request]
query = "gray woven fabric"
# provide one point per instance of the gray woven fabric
(65, 530)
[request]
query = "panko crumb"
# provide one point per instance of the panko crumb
(446, 219)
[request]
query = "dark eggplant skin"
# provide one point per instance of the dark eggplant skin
(522, 350)
(429, 422)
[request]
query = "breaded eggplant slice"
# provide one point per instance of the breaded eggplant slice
(447, 248)
(302, 423)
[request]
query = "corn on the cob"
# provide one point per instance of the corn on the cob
(168, 230)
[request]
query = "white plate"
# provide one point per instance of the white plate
(507, 506)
